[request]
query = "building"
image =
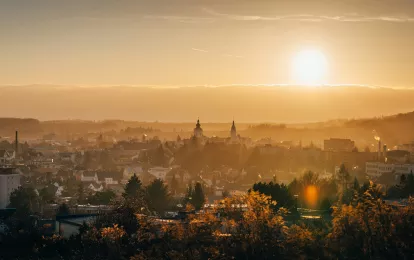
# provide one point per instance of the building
(233, 133)
(9, 181)
(159, 172)
(109, 177)
(198, 131)
(377, 169)
(129, 171)
(89, 176)
(339, 145)
(7, 157)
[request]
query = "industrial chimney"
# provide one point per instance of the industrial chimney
(384, 152)
(16, 148)
(379, 150)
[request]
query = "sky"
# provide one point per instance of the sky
(203, 42)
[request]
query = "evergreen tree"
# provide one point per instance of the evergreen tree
(189, 194)
(63, 210)
(157, 196)
(81, 193)
(158, 158)
(174, 184)
(133, 187)
(356, 185)
(198, 197)
(25, 201)
(102, 197)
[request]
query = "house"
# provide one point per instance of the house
(89, 176)
(159, 172)
(130, 171)
(93, 186)
(179, 174)
(7, 157)
(109, 177)
(67, 157)
(59, 189)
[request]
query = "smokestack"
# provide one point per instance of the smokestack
(379, 150)
(384, 152)
(17, 142)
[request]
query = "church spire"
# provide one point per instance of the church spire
(233, 132)
(198, 131)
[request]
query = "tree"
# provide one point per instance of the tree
(356, 185)
(46, 194)
(174, 184)
(158, 158)
(278, 192)
(198, 197)
(343, 177)
(81, 193)
(106, 161)
(25, 201)
(157, 196)
(63, 210)
(225, 194)
(133, 188)
(102, 197)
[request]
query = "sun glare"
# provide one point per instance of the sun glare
(311, 195)
(309, 67)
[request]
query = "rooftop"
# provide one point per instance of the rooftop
(7, 171)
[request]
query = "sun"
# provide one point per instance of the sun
(309, 67)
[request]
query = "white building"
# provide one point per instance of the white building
(7, 157)
(159, 172)
(376, 169)
(9, 181)
(87, 176)
(130, 171)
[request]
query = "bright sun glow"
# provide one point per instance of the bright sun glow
(309, 67)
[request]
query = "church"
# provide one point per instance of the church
(232, 139)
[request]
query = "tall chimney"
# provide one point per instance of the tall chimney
(384, 152)
(379, 150)
(17, 143)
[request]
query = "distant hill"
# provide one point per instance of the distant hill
(286, 112)
(249, 104)
(8, 126)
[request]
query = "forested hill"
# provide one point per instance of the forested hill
(395, 129)
(24, 125)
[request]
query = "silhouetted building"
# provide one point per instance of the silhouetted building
(233, 133)
(198, 131)
(339, 145)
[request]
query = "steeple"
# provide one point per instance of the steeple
(233, 132)
(233, 127)
(198, 131)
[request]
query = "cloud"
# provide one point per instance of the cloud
(233, 56)
(181, 19)
(310, 17)
(199, 50)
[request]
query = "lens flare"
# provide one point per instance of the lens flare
(311, 195)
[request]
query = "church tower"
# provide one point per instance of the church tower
(233, 133)
(198, 131)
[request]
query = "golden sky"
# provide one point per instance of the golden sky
(203, 42)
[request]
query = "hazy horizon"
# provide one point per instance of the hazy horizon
(246, 104)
